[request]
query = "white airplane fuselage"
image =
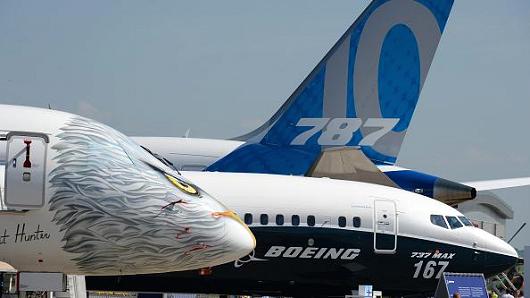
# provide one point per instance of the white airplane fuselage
(329, 199)
(81, 198)
(319, 233)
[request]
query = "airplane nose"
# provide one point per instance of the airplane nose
(500, 246)
(510, 251)
(239, 239)
(502, 255)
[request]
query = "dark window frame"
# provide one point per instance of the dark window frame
(342, 221)
(455, 224)
(356, 222)
(465, 221)
(295, 222)
(434, 221)
(311, 221)
(280, 220)
(248, 218)
(264, 219)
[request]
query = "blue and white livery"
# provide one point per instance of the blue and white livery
(363, 92)
(362, 95)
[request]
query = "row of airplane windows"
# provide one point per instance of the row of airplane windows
(295, 220)
(453, 221)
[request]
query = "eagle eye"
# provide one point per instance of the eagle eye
(185, 187)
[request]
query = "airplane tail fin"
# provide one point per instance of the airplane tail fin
(362, 93)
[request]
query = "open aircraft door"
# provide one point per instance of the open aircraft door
(385, 227)
(25, 170)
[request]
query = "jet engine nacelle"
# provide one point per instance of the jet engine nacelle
(79, 197)
(444, 190)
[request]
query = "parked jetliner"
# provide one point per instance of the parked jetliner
(362, 95)
(319, 236)
(78, 197)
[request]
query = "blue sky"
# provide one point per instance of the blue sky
(221, 68)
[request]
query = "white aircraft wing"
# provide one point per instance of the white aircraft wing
(498, 183)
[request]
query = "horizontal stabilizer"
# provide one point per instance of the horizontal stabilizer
(499, 183)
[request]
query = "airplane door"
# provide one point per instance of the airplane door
(25, 170)
(385, 227)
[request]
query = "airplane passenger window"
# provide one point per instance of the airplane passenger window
(264, 219)
(279, 219)
(342, 221)
(295, 220)
(439, 221)
(465, 221)
(453, 222)
(357, 222)
(310, 220)
(248, 218)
